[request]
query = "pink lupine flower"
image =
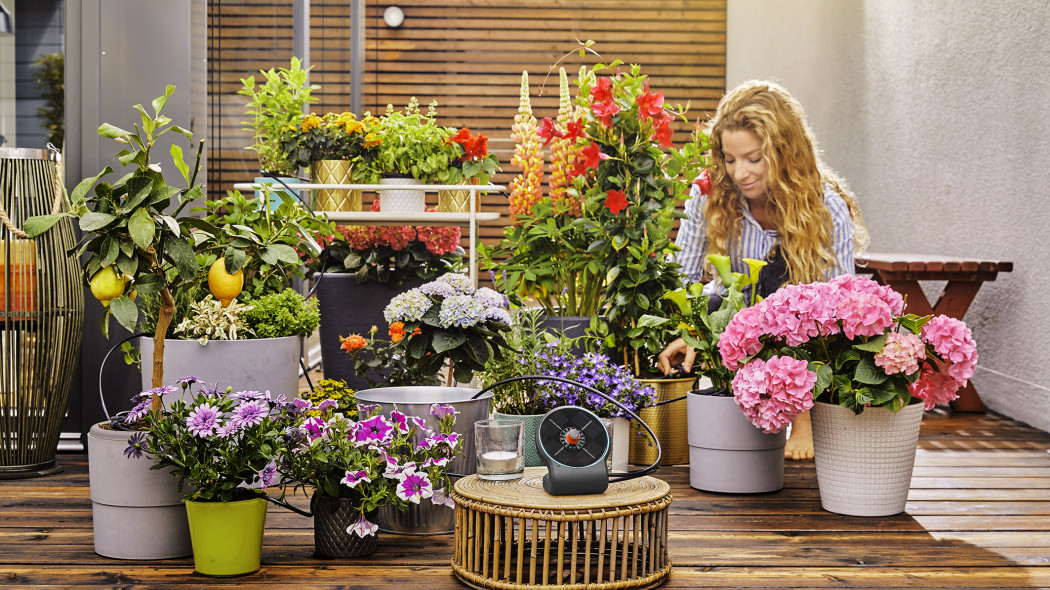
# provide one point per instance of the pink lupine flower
(901, 354)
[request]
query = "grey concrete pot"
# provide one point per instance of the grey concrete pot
(245, 365)
(726, 452)
(427, 518)
(136, 512)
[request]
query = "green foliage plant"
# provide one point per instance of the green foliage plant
(286, 313)
(275, 104)
(209, 320)
(411, 144)
(700, 327)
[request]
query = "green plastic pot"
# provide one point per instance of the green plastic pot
(226, 536)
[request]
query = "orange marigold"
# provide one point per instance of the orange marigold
(353, 342)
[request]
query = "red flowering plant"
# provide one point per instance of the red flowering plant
(473, 160)
(599, 242)
(843, 342)
(391, 254)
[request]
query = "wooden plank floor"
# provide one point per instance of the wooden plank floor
(978, 516)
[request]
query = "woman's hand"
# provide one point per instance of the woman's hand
(677, 353)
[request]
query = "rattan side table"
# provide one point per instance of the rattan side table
(513, 534)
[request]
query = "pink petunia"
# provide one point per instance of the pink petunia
(414, 487)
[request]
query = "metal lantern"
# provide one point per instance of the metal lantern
(41, 314)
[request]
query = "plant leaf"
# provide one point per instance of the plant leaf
(142, 228)
(93, 220)
(126, 312)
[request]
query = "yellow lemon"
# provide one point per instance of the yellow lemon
(106, 285)
(224, 286)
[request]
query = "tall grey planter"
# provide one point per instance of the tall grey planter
(727, 453)
(245, 365)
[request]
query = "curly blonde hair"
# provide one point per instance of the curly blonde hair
(794, 181)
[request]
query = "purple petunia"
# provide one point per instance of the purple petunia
(442, 410)
(415, 487)
(376, 429)
(353, 478)
(362, 528)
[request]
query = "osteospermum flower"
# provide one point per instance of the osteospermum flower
(140, 410)
(414, 487)
(901, 353)
(203, 420)
(249, 413)
(136, 446)
(268, 474)
(407, 307)
(462, 311)
(362, 528)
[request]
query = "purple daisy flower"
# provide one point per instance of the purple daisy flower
(190, 380)
(166, 389)
(203, 420)
(415, 487)
(136, 445)
(268, 474)
(139, 411)
(250, 413)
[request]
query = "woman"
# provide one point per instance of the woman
(769, 196)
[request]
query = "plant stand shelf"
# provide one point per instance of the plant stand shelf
(469, 219)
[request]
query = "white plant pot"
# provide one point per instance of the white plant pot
(136, 512)
(245, 365)
(402, 200)
(621, 443)
(727, 453)
(864, 461)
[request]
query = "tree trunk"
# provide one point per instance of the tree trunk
(167, 311)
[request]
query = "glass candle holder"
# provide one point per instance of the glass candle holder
(499, 447)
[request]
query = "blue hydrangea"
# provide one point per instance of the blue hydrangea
(490, 298)
(407, 307)
(439, 289)
(462, 311)
(458, 281)
(498, 314)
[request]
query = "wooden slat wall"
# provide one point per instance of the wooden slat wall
(467, 55)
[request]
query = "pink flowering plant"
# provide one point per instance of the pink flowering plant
(215, 442)
(380, 459)
(391, 254)
(843, 342)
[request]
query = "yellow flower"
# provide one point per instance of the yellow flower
(311, 122)
(372, 140)
(353, 126)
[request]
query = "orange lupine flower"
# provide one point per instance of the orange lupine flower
(353, 342)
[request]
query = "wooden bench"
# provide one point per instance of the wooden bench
(963, 275)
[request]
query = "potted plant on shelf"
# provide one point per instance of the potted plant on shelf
(726, 452)
(845, 345)
(472, 165)
(444, 321)
(224, 446)
(412, 149)
(335, 147)
(273, 105)
(360, 461)
(369, 265)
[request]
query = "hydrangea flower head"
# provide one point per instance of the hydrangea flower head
(461, 311)
(407, 307)
(901, 354)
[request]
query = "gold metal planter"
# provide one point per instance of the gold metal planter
(334, 172)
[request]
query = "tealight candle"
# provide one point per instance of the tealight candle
(499, 449)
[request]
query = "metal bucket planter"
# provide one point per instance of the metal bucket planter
(668, 421)
(727, 453)
(245, 365)
(334, 172)
(136, 512)
(426, 517)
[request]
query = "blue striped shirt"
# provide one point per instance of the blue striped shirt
(756, 242)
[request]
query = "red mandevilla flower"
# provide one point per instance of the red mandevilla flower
(664, 133)
(616, 201)
(703, 182)
(548, 131)
(650, 106)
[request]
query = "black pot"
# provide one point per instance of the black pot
(569, 327)
(332, 516)
(350, 308)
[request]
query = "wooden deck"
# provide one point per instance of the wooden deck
(978, 517)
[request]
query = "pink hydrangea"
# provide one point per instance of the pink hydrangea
(934, 387)
(863, 314)
(741, 336)
(901, 354)
(951, 339)
(860, 284)
(771, 393)
(796, 314)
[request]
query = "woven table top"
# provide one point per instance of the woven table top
(528, 492)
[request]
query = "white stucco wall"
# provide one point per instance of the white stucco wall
(938, 114)
(7, 84)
